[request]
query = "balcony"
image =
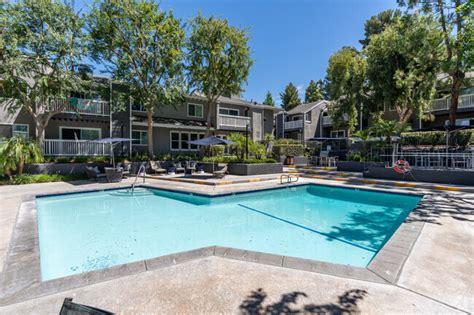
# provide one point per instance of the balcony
(295, 124)
(83, 106)
(233, 122)
(326, 120)
(465, 101)
(58, 147)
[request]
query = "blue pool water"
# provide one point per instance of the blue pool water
(88, 231)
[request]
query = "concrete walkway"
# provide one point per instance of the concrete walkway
(436, 278)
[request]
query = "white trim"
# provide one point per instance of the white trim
(80, 128)
(228, 109)
(338, 130)
(170, 126)
(27, 130)
(141, 131)
(179, 140)
(195, 104)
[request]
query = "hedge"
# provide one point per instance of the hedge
(234, 159)
(463, 138)
(288, 150)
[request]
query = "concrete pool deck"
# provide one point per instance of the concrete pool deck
(436, 276)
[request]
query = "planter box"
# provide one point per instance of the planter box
(454, 177)
(208, 167)
(354, 166)
(254, 169)
(61, 168)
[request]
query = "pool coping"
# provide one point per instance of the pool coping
(21, 276)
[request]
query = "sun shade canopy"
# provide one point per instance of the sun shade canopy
(211, 141)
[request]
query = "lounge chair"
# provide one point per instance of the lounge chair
(156, 168)
(190, 167)
(94, 173)
(126, 168)
(220, 173)
(178, 167)
(69, 308)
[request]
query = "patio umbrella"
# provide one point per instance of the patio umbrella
(113, 142)
(209, 141)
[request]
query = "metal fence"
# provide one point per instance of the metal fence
(424, 159)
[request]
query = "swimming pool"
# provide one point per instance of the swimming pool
(88, 231)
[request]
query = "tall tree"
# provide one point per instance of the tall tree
(377, 24)
(313, 92)
(290, 98)
(219, 60)
(41, 47)
(346, 77)
(142, 46)
(453, 18)
(269, 99)
(403, 62)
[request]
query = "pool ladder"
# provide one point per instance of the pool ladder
(288, 178)
(132, 188)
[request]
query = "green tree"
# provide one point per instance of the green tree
(16, 152)
(41, 48)
(313, 92)
(386, 129)
(219, 60)
(346, 77)
(455, 19)
(141, 46)
(289, 97)
(377, 24)
(269, 99)
(403, 62)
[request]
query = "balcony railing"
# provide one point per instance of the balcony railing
(57, 147)
(83, 106)
(295, 124)
(327, 121)
(232, 121)
(465, 101)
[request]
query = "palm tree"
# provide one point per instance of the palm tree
(16, 152)
(364, 136)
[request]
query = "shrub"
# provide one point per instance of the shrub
(235, 159)
(216, 150)
(355, 156)
(462, 138)
(44, 178)
(16, 152)
(288, 150)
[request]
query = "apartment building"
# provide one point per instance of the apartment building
(89, 116)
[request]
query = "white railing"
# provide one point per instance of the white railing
(327, 120)
(295, 124)
(83, 106)
(233, 121)
(56, 147)
(465, 101)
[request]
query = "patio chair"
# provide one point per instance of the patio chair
(94, 173)
(220, 173)
(156, 168)
(114, 174)
(70, 308)
(190, 167)
(178, 167)
(126, 168)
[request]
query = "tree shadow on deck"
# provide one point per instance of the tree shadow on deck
(346, 303)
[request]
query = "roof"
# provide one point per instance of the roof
(8, 117)
(303, 108)
(238, 101)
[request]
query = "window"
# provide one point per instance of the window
(138, 107)
(229, 111)
(338, 133)
(179, 140)
(139, 137)
(308, 116)
(20, 130)
(68, 133)
(195, 110)
(296, 118)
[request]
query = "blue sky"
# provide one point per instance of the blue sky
(291, 40)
